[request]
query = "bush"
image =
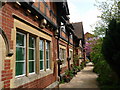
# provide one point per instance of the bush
(82, 65)
(76, 68)
(111, 45)
(106, 76)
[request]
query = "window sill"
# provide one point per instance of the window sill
(45, 73)
(21, 80)
(63, 65)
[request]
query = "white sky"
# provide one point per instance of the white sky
(83, 11)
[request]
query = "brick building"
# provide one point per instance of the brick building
(34, 37)
(79, 41)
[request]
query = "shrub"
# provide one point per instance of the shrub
(69, 73)
(111, 45)
(106, 76)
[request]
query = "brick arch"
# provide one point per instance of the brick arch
(4, 61)
(3, 51)
(6, 41)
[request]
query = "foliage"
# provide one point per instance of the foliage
(96, 54)
(107, 62)
(62, 81)
(111, 45)
(76, 68)
(69, 73)
(109, 9)
(90, 41)
(83, 64)
(99, 29)
(106, 76)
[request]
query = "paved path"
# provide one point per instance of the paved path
(84, 79)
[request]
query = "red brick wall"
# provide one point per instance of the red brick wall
(48, 14)
(71, 40)
(64, 35)
(7, 73)
(40, 83)
(63, 69)
(55, 56)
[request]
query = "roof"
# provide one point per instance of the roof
(78, 29)
(89, 35)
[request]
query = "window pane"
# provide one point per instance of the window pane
(47, 45)
(41, 55)
(31, 66)
(41, 65)
(31, 42)
(41, 44)
(20, 39)
(20, 53)
(47, 55)
(20, 68)
(47, 64)
(31, 54)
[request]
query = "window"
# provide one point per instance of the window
(47, 55)
(41, 54)
(62, 54)
(71, 54)
(71, 36)
(20, 54)
(24, 50)
(31, 54)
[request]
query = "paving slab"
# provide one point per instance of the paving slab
(86, 78)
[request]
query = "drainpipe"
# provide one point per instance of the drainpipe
(57, 36)
(58, 57)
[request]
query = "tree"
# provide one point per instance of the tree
(111, 45)
(99, 29)
(110, 9)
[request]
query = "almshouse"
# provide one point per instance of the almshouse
(34, 37)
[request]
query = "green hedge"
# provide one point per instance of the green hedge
(107, 78)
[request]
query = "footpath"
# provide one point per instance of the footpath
(86, 78)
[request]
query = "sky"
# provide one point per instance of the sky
(83, 11)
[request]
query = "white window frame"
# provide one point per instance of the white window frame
(43, 54)
(24, 70)
(48, 49)
(34, 56)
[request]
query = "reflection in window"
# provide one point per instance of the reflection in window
(41, 54)
(47, 55)
(20, 53)
(31, 54)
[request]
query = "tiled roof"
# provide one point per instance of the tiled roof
(78, 29)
